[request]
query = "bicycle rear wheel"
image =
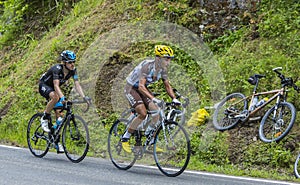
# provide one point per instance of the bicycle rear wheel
(172, 149)
(37, 138)
(276, 124)
(119, 157)
(225, 115)
(75, 139)
(297, 167)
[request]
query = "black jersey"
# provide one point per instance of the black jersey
(56, 73)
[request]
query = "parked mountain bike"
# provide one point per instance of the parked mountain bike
(74, 131)
(169, 136)
(275, 123)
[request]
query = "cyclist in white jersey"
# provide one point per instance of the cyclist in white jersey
(139, 96)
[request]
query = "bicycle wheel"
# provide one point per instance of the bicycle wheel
(230, 111)
(276, 124)
(172, 149)
(119, 157)
(37, 138)
(75, 138)
(297, 167)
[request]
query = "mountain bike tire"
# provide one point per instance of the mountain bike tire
(37, 137)
(171, 149)
(271, 130)
(118, 156)
(226, 109)
(75, 139)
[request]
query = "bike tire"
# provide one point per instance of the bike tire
(221, 117)
(37, 138)
(297, 167)
(174, 142)
(75, 138)
(286, 113)
(119, 157)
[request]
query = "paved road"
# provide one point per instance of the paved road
(19, 166)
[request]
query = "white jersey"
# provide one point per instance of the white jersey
(146, 69)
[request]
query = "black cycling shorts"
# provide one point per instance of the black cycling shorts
(45, 90)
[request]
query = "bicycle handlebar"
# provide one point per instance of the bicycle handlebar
(68, 104)
(179, 96)
(286, 81)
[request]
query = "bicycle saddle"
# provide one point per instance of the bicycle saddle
(253, 79)
(259, 76)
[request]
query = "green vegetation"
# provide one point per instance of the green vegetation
(33, 34)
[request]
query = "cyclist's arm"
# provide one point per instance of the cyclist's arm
(142, 88)
(57, 88)
(79, 89)
(169, 88)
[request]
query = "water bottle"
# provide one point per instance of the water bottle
(261, 102)
(254, 102)
(58, 122)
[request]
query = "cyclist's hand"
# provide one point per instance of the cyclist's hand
(176, 101)
(88, 100)
(60, 102)
(157, 101)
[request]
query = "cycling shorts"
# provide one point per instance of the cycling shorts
(45, 90)
(136, 98)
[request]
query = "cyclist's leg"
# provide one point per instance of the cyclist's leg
(136, 102)
(48, 93)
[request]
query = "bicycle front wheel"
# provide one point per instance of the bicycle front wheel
(229, 111)
(172, 149)
(120, 158)
(37, 138)
(277, 123)
(75, 138)
(297, 167)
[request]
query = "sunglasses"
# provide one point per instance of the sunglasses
(70, 61)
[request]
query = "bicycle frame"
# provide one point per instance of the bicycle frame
(278, 94)
(69, 115)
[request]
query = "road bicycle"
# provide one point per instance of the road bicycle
(169, 136)
(275, 123)
(74, 131)
(297, 166)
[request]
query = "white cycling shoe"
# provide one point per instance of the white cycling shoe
(59, 148)
(44, 124)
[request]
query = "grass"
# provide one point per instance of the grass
(22, 66)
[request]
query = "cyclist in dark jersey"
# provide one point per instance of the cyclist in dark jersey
(49, 87)
(139, 96)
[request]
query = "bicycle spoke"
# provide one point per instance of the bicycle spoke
(37, 139)
(230, 111)
(277, 123)
(172, 149)
(119, 157)
(76, 139)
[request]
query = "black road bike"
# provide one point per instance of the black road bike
(74, 131)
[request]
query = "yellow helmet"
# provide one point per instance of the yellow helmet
(163, 51)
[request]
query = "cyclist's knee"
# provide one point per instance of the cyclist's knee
(142, 115)
(54, 96)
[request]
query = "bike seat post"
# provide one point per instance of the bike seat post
(255, 87)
